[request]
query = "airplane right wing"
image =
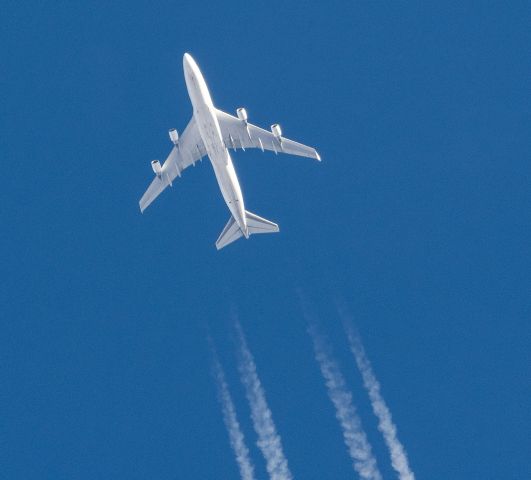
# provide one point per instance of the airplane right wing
(238, 133)
(189, 149)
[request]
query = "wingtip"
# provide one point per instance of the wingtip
(317, 156)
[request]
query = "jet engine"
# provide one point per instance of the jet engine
(276, 131)
(174, 136)
(242, 114)
(155, 165)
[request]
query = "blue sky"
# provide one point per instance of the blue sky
(418, 217)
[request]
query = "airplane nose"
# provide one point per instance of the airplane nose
(187, 60)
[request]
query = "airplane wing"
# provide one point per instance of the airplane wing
(188, 150)
(241, 134)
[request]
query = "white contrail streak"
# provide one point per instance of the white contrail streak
(268, 439)
(356, 441)
(237, 440)
(385, 421)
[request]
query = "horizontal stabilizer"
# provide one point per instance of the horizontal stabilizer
(258, 224)
(230, 233)
(255, 224)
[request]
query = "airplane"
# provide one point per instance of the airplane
(212, 132)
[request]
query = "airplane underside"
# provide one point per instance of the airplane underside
(212, 133)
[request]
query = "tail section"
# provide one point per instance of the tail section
(255, 224)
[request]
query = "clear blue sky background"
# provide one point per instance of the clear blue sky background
(419, 216)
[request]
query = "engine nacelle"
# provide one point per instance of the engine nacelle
(276, 131)
(242, 114)
(155, 165)
(174, 136)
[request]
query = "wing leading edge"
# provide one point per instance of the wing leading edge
(189, 149)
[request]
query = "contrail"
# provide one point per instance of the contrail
(356, 441)
(268, 439)
(237, 440)
(385, 421)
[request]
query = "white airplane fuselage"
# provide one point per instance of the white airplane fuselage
(207, 122)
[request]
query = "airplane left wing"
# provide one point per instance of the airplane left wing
(189, 149)
(238, 133)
